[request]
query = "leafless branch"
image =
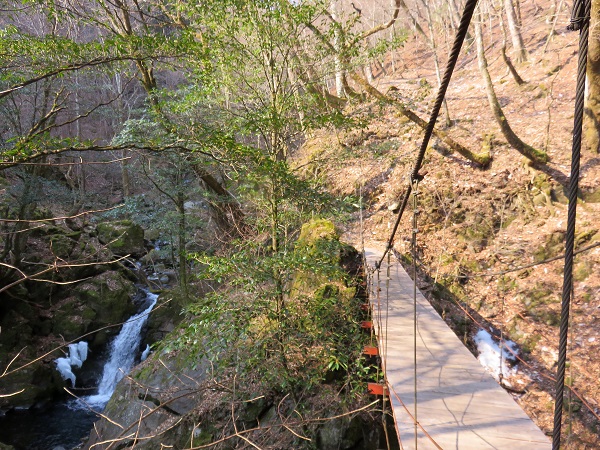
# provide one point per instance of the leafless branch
(51, 267)
(70, 68)
(12, 361)
(12, 394)
(62, 217)
(383, 26)
(75, 163)
(99, 148)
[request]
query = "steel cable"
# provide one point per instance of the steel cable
(583, 21)
(459, 39)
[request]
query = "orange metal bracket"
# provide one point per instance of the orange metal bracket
(370, 350)
(367, 324)
(377, 389)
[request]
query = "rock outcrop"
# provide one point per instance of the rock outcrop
(39, 316)
(122, 237)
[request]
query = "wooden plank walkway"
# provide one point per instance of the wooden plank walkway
(459, 404)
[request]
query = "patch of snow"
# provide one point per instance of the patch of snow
(77, 355)
(145, 353)
(490, 356)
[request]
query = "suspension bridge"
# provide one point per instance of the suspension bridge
(441, 397)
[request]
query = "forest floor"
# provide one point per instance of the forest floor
(478, 222)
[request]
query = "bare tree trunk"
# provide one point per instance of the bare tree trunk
(337, 58)
(553, 28)
(310, 81)
(514, 141)
(592, 107)
(515, 31)
(507, 61)
(481, 159)
(125, 178)
(227, 210)
(121, 117)
(412, 18)
(368, 69)
(295, 88)
(181, 241)
(454, 15)
(369, 72)
(433, 45)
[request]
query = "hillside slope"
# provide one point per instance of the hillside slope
(477, 222)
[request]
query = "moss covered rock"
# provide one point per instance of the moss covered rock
(122, 237)
(63, 244)
(319, 243)
(29, 386)
(96, 303)
(172, 388)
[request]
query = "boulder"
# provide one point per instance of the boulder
(106, 299)
(63, 244)
(169, 387)
(122, 237)
(319, 240)
(29, 386)
(345, 434)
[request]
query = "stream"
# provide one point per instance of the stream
(66, 423)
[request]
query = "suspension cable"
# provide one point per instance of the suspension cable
(385, 338)
(463, 28)
(415, 231)
(582, 10)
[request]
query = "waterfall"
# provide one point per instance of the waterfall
(123, 351)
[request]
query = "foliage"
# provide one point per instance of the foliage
(230, 90)
(261, 318)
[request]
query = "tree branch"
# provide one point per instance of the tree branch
(97, 148)
(383, 26)
(69, 68)
(481, 159)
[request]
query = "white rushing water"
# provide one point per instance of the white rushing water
(123, 351)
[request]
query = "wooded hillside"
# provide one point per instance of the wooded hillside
(197, 138)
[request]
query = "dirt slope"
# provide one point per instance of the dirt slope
(476, 222)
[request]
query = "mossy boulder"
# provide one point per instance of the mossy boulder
(345, 433)
(106, 299)
(316, 230)
(553, 246)
(63, 244)
(319, 244)
(30, 385)
(168, 384)
(122, 237)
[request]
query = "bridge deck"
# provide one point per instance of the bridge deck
(458, 404)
